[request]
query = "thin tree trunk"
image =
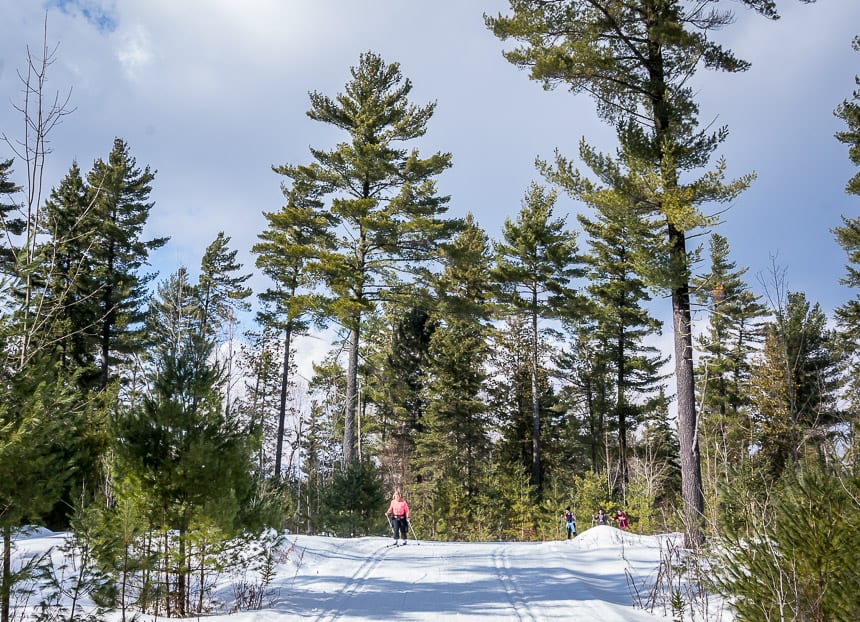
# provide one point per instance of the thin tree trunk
(6, 589)
(349, 444)
(107, 320)
(592, 426)
(181, 574)
(282, 409)
(622, 413)
(536, 466)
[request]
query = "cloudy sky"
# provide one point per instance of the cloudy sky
(212, 93)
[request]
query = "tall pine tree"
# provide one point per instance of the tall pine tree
(635, 58)
(454, 445)
(794, 387)
(619, 296)
(295, 238)
(535, 264)
(733, 334)
(119, 193)
(386, 216)
(848, 237)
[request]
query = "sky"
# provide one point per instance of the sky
(212, 93)
(595, 576)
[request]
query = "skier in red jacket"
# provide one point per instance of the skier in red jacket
(398, 516)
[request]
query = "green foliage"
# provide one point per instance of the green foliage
(734, 334)
(849, 112)
(353, 502)
(617, 238)
(796, 555)
(555, 497)
(41, 415)
(118, 192)
(641, 506)
(591, 492)
(637, 62)
(793, 386)
(186, 463)
(517, 496)
(285, 253)
(535, 264)
(12, 225)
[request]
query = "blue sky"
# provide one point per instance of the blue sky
(212, 93)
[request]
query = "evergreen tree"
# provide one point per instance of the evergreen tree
(294, 239)
(796, 555)
(734, 333)
(636, 58)
(454, 444)
(221, 291)
(191, 461)
(793, 387)
(509, 393)
(12, 225)
(37, 407)
(386, 217)
(622, 322)
(119, 194)
(222, 294)
(69, 229)
(352, 501)
(586, 392)
(263, 372)
(396, 376)
(534, 267)
(849, 112)
(848, 237)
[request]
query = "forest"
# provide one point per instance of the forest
(493, 377)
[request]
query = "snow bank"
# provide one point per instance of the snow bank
(604, 536)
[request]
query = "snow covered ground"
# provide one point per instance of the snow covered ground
(364, 579)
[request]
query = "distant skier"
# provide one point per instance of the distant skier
(621, 519)
(398, 516)
(600, 518)
(569, 523)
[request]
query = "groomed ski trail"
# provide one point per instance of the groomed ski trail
(365, 579)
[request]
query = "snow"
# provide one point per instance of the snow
(365, 579)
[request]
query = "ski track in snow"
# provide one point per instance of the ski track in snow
(515, 594)
(355, 584)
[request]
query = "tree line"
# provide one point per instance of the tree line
(494, 381)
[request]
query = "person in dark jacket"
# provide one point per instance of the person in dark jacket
(569, 523)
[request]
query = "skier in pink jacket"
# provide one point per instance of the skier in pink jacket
(398, 516)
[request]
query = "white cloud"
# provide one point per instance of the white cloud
(134, 50)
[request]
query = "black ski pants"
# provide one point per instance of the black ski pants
(399, 524)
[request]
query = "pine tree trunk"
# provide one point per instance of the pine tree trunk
(622, 415)
(351, 394)
(182, 574)
(691, 470)
(107, 319)
(536, 466)
(282, 410)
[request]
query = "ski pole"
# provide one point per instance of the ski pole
(414, 537)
